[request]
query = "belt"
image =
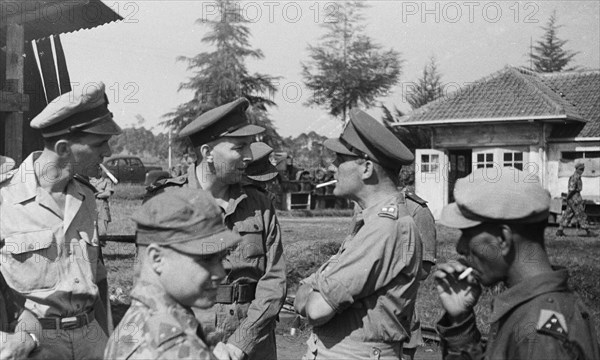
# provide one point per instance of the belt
(241, 293)
(66, 323)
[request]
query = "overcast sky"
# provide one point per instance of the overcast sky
(470, 39)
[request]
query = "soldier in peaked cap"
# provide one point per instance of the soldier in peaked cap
(182, 242)
(502, 220)
(361, 301)
(49, 212)
(254, 290)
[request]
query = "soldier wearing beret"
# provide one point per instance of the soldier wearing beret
(502, 220)
(260, 173)
(181, 242)
(254, 289)
(575, 208)
(50, 257)
(361, 301)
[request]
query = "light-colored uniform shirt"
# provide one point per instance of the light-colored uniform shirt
(156, 327)
(371, 283)
(49, 258)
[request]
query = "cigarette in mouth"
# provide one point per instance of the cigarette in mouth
(109, 174)
(326, 184)
(465, 273)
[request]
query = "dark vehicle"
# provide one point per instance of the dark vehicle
(131, 169)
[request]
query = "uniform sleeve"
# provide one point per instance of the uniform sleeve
(381, 250)
(270, 291)
(426, 225)
(461, 341)
(573, 183)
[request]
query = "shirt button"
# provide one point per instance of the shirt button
(376, 352)
(76, 281)
(231, 312)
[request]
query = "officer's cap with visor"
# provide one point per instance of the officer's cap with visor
(367, 138)
(77, 112)
(227, 120)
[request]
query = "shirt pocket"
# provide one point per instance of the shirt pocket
(30, 261)
(251, 230)
(89, 245)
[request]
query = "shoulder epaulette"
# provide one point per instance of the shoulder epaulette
(389, 211)
(84, 181)
(163, 183)
(162, 328)
(552, 323)
(412, 196)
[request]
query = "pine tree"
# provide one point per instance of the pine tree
(427, 88)
(221, 76)
(347, 68)
(548, 55)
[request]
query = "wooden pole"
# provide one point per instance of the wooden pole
(15, 43)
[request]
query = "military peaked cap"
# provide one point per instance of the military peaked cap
(226, 120)
(367, 138)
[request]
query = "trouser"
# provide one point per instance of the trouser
(221, 321)
(575, 209)
(350, 349)
(86, 342)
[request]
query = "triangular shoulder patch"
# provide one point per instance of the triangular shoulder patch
(552, 323)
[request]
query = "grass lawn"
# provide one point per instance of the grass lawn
(310, 241)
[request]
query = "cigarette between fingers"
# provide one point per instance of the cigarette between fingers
(326, 184)
(465, 273)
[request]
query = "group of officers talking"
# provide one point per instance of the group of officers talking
(210, 272)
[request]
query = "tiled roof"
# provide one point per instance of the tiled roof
(42, 18)
(514, 93)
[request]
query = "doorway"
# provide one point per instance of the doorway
(461, 165)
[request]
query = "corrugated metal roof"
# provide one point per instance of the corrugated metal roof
(513, 93)
(44, 18)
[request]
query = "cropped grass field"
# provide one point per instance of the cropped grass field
(309, 241)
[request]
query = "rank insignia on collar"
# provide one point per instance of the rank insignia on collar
(552, 323)
(389, 211)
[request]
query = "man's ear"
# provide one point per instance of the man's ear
(155, 255)
(506, 239)
(367, 169)
(206, 152)
(62, 148)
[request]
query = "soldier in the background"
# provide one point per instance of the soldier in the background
(575, 208)
(537, 317)
(182, 242)
(104, 190)
(252, 294)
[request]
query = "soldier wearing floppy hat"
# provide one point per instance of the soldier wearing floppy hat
(502, 217)
(181, 242)
(251, 296)
(575, 206)
(45, 206)
(346, 299)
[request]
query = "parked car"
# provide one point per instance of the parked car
(131, 169)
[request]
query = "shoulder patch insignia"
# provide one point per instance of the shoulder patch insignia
(552, 323)
(390, 211)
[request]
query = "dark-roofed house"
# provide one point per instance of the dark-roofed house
(537, 122)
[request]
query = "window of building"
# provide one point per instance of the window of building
(485, 160)
(513, 159)
(430, 163)
(573, 155)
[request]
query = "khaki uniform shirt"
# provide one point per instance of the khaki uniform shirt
(156, 327)
(539, 318)
(372, 281)
(417, 208)
(49, 258)
(257, 259)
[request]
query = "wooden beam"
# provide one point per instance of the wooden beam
(12, 101)
(15, 44)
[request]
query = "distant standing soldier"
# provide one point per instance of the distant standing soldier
(50, 256)
(575, 206)
(537, 317)
(104, 190)
(254, 290)
(182, 242)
